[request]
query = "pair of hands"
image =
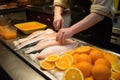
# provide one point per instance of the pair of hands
(63, 33)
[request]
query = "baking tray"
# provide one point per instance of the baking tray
(35, 64)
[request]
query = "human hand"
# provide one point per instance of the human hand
(58, 22)
(64, 34)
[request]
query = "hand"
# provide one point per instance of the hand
(58, 22)
(64, 34)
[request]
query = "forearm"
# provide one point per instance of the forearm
(58, 10)
(87, 22)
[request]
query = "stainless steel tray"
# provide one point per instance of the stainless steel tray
(35, 64)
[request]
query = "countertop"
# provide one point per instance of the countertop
(15, 67)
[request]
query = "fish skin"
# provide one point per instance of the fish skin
(33, 35)
(58, 49)
(34, 40)
(47, 43)
(42, 44)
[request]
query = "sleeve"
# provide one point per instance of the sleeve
(103, 7)
(62, 3)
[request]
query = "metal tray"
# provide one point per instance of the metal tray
(35, 64)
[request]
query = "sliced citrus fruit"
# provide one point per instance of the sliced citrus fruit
(73, 73)
(83, 49)
(52, 58)
(68, 57)
(47, 65)
(116, 67)
(64, 62)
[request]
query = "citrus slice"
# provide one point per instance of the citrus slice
(52, 58)
(116, 67)
(47, 65)
(84, 49)
(64, 62)
(73, 73)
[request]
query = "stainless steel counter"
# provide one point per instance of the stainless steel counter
(18, 65)
(15, 67)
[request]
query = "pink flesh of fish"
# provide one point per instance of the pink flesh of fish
(58, 49)
(46, 43)
(36, 39)
(33, 35)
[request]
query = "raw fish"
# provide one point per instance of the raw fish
(46, 43)
(33, 35)
(58, 49)
(35, 40)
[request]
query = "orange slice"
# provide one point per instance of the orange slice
(73, 73)
(47, 65)
(64, 62)
(84, 49)
(52, 58)
(116, 67)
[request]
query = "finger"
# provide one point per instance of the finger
(59, 37)
(63, 38)
(62, 25)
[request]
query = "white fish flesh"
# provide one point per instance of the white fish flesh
(46, 43)
(58, 49)
(35, 40)
(41, 45)
(32, 35)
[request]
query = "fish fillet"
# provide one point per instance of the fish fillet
(58, 49)
(46, 43)
(33, 35)
(35, 40)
